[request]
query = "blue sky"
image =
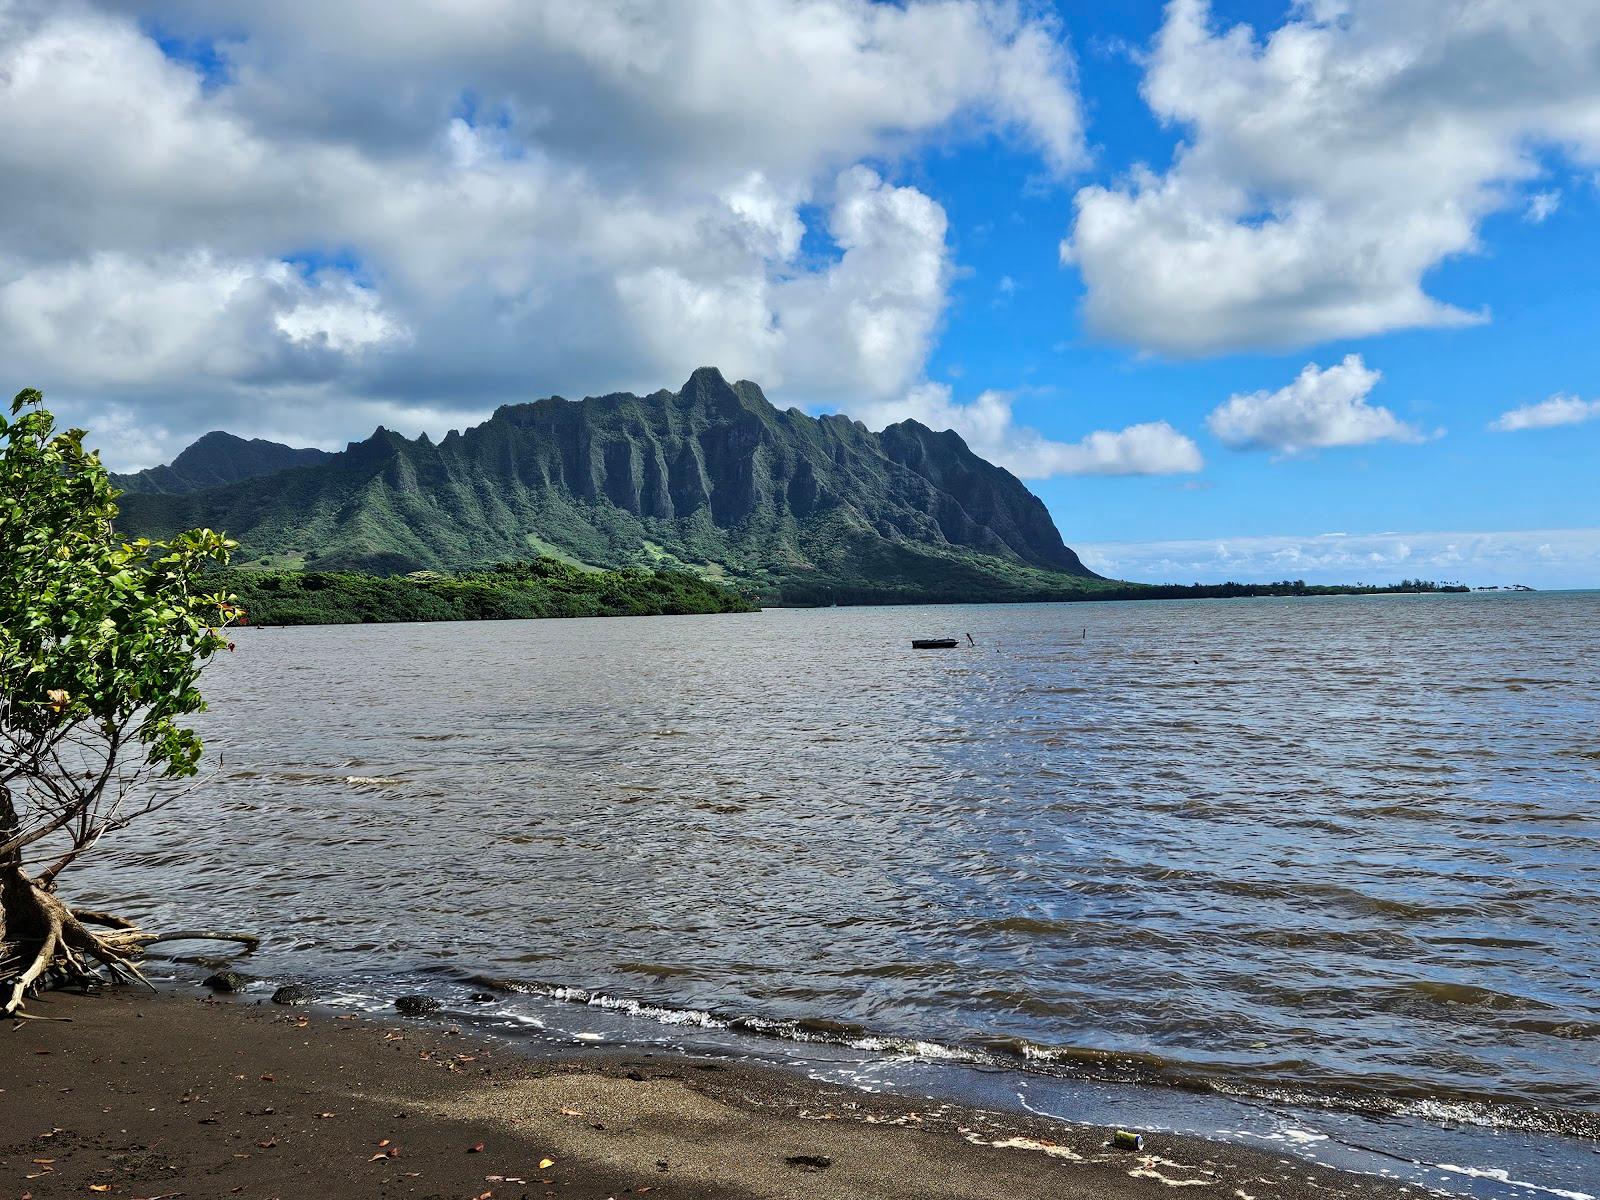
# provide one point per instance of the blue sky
(1536, 281)
(1217, 281)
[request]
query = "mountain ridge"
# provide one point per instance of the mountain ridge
(216, 459)
(712, 477)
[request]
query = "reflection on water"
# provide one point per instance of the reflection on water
(1346, 844)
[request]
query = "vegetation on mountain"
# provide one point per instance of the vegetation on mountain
(544, 587)
(102, 643)
(710, 479)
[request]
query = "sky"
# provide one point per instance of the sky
(1243, 290)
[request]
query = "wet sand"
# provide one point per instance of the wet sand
(168, 1095)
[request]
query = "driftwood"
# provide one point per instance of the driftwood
(45, 943)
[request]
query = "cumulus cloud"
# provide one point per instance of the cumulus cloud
(113, 321)
(1326, 168)
(1546, 414)
(1321, 408)
(988, 427)
(426, 210)
(1544, 558)
(866, 322)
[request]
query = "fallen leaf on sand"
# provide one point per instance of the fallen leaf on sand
(572, 1112)
(379, 1156)
(546, 1163)
(43, 1162)
(475, 1148)
(268, 1144)
(266, 1079)
(385, 1142)
(99, 1187)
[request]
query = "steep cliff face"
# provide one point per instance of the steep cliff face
(219, 458)
(711, 476)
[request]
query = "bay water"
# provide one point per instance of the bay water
(1320, 873)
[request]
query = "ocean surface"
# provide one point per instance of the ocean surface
(1322, 872)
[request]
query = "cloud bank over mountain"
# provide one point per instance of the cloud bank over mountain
(220, 209)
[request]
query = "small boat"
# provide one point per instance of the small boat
(934, 643)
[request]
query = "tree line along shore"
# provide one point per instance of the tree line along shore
(548, 587)
(543, 587)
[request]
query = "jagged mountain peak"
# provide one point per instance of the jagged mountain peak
(218, 458)
(711, 477)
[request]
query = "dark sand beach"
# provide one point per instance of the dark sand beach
(174, 1095)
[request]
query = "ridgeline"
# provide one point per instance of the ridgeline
(711, 479)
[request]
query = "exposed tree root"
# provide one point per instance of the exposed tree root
(44, 943)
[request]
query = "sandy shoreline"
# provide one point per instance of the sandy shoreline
(169, 1095)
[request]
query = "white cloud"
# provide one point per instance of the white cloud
(1546, 414)
(437, 207)
(1542, 206)
(864, 325)
(987, 426)
(1543, 558)
(117, 432)
(1321, 408)
(1327, 168)
(114, 321)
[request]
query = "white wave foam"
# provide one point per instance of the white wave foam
(1147, 1170)
(634, 1008)
(932, 1051)
(1501, 1175)
(1034, 1145)
(1296, 1137)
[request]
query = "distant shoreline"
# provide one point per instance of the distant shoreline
(1164, 591)
(548, 588)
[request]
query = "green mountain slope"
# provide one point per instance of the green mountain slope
(712, 478)
(219, 458)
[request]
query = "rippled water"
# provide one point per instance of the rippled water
(1344, 848)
